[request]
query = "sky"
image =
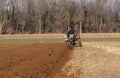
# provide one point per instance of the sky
(109, 3)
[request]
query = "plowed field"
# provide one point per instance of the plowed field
(35, 60)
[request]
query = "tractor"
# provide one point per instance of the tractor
(73, 41)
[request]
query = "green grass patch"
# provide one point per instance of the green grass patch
(100, 39)
(31, 40)
(55, 40)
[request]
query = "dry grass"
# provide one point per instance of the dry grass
(93, 61)
(83, 35)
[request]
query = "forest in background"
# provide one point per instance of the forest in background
(56, 16)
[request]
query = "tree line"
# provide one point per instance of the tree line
(57, 16)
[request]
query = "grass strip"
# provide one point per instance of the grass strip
(99, 39)
(55, 40)
(31, 40)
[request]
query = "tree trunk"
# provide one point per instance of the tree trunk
(40, 26)
(0, 28)
(1, 25)
(100, 28)
(80, 27)
(68, 20)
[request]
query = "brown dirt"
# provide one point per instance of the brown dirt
(38, 60)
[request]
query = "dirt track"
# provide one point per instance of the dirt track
(83, 35)
(38, 60)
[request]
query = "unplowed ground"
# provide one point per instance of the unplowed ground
(93, 60)
(37, 60)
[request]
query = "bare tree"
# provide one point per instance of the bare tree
(2, 16)
(28, 16)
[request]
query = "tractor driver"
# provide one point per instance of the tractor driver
(71, 31)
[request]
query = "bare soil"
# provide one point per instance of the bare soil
(93, 60)
(37, 60)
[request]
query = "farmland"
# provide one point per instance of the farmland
(46, 56)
